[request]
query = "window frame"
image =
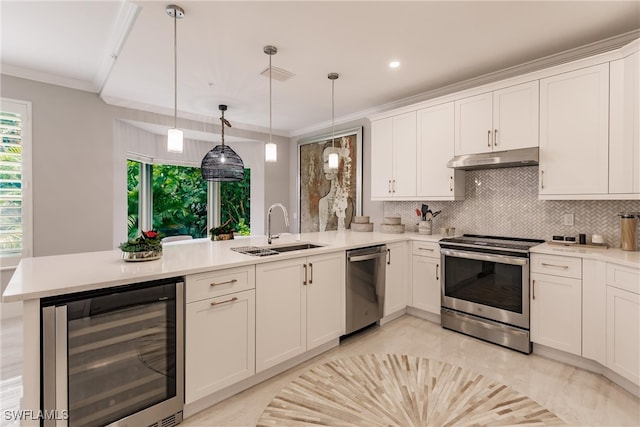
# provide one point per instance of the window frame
(24, 109)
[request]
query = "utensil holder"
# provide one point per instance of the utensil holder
(425, 227)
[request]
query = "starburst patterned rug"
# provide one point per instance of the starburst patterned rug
(400, 390)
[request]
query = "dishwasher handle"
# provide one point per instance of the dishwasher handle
(356, 258)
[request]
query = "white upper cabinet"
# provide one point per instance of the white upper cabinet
(624, 127)
(435, 148)
(505, 119)
(393, 157)
(574, 133)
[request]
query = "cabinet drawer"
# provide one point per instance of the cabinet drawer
(626, 278)
(216, 283)
(557, 265)
(426, 249)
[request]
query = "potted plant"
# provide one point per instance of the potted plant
(223, 232)
(146, 247)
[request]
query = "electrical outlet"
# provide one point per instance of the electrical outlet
(567, 219)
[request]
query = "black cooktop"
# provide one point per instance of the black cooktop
(476, 240)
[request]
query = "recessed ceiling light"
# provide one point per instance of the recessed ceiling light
(394, 64)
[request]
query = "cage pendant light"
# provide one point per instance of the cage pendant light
(222, 163)
(334, 159)
(270, 148)
(174, 136)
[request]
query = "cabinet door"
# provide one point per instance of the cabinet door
(219, 343)
(594, 310)
(325, 293)
(474, 124)
(624, 128)
(556, 312)
(623, 333)
(404, 155)
(396, 279)
(381, 157)
(515, 117)
(574, 132)
(425, 284)
(435, 148)
(281, 320)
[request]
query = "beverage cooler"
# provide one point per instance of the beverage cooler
(114, 356)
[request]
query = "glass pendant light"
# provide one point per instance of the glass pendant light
(222, 163)
(174, 136)
(270, 148)
(334, 159)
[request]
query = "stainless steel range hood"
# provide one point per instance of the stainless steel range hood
(497, 159)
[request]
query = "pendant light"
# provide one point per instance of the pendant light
(334, 159)
(222, 163)
(270, 148)
(174, 136)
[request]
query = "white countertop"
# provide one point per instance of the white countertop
(614, 255)
(41, 277)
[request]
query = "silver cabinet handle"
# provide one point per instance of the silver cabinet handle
(304, 282)
(234, 299)
(533, 290)
(389, 191)
(450, 183)
(437, 269)
(310, 274)
(228, 282)
(393, 186)
(489, 138)
(388, 256)
(425, 249)
(554, 265)
(495, 137)
(541, 179)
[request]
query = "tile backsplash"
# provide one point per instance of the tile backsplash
(504, 202)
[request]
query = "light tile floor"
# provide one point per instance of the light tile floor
(577, 396)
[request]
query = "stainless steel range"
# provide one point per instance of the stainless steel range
(485, 288)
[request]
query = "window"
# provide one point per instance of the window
(173, 200)
(15, 175)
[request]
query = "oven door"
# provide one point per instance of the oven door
(488, 285)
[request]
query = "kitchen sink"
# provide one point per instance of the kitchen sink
(273, 250)
(254, 251)
(293, 247)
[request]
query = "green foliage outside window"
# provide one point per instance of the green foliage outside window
(133, 197)
(235, 204)
(180, 200)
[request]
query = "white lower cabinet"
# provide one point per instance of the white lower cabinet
(594, 310)
(623, 321)
(299, 306)
(425, 288)
(219, 332)
(556, 303)
(397, 276)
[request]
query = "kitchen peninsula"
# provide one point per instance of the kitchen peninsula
(46, 278)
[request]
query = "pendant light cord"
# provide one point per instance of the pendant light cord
(270, 100)
(333, 120)
(175, 70)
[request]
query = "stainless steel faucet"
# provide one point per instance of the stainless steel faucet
(286, 220)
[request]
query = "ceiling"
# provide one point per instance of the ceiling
(123, 50)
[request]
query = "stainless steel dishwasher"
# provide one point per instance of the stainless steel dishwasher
(366, 268)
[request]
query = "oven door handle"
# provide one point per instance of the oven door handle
(503, 259)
